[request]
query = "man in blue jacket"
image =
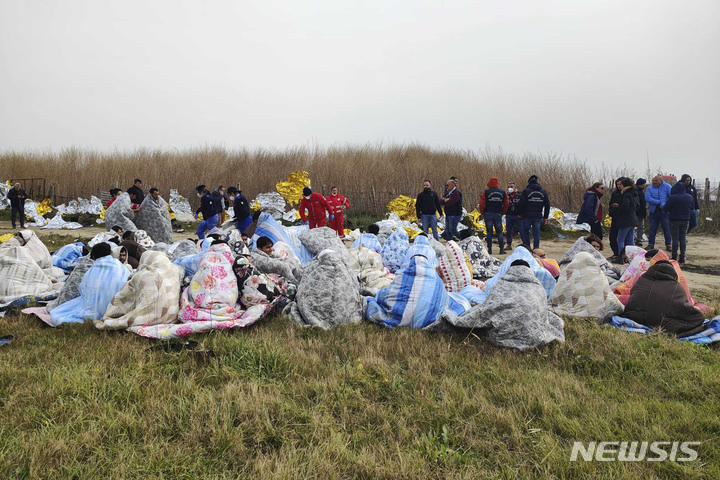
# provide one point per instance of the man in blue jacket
(534, 208)
(207, 209)
(678, 208)
(687, 180)
(656, 196)
(241, 209)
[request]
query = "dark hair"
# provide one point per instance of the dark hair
(374, 229)
(627, 182)
(256, 215)
(128, 234)
(200, 189)
(595, 186)
(331, 188)
(594, 238)
(220, 187)
(651, 253)
(100, 250)
(137, 180)
(153, 189)
(113, 191)
(232, 190)
(519, 262)
(467, 233)
(263, 242)
(619, 179)
(218, 241)
(214, 235)
(116, 229)
(428, 181)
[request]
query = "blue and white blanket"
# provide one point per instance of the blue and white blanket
(368, 240)
(267, 226)
(421, 246)
(522, 253)
(394, 250)
(416, 298)
(711, 334)
(191, 263)
(66, 257)
(98, 287)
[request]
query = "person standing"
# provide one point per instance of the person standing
(626, 217)
(614, 205)
(493, 204)
(452, 201)
(207, 209)
(591, 211)
(338, 203)
(221, 204)
(641, 184)
(679, 207)
(534, 208)
(656, 195)
(513, 223)
(137, 189)
(690, 189)
(241, 209)
(427, 205)
(316, 206)
(17, 197)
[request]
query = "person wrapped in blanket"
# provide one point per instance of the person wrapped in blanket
(369, 239)
(548, 264)
(658, 300)
(483, 265)
(279, 259)
(98, 287)
(134, 249)
(256, 288)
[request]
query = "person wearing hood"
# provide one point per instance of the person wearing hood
(208, 209)
(591, 211)
(656, 195)
(338, 203)
(133, 248)
(427, 208)
(513, 223)
(452, 201)
(534, 208)
(658, 300)
(493, 204)
(614, 205)
(315, 205)
(241, 209)
(17, 197)
(626, 216)
(690, 188)
(641, 184)
(679, 208)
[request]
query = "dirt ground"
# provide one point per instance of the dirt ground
(702, 269)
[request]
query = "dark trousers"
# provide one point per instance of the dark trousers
(678, 231)
(17, 210)
(639, 230)
(513, 225)
(613, 238)
(659, 218)
(493, 221)
(534, 224)
(596, 228)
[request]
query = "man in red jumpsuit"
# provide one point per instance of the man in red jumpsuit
(316, 207)
(338, 204)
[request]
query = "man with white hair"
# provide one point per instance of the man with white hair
(17, 197)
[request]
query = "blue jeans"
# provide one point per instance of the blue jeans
(529, 223)
(493, 221)
(512, 224)
(658, 217)
(243, 224)
(625, 236)
(451, 223)
(429, 222)
(206, 225)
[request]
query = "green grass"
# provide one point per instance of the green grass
(280, 401)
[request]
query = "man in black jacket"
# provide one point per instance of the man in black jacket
(513, 223)
(641, 183)
(221, 203)
(614, 205)
(452, 200)
(137, 190)
(241, 209)
(534, 208)
(426, 207)
(17, 197)
(690, 190)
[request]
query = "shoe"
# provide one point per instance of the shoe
(681, 260)
(650, 247)
(502, 251)
(490, 249)
(639, 244)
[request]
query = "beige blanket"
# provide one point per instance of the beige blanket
(20, 275)
(368, 265)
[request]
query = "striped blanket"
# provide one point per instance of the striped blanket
(67, 256)
(416, 298)
(711, 334)
(267, 226)
(521, 253)
(394, 250)
(34, 246)
(152, 296)
(21, 276)
(453, 268)
(368, 240)
(421, 246)
(98, 287)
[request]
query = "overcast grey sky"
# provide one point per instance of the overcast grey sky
(600, 79)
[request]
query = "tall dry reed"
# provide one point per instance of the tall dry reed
(369, 175)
